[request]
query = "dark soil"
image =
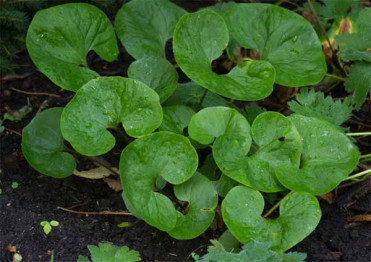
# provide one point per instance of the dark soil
(38, 197)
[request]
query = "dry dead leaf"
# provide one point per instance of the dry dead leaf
(114, 184)
(328, 197)
(95, 173)
(285, 93)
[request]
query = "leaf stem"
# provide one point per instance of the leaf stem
(359, 134)
(117, 213)
(364, 173)
(126, 139)
(270, 211)
(202, 99)
(336, 77)
(365, 156)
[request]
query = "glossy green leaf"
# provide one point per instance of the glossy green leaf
(43, 145)
(276, 137)
(202, 200)
(283, 38)
(359, 82)
(224, 184)
(157, 73)
(209, 168)
(251, 112)
(231, 133)
(229, 242)
(327, 158)
(242, 212)
(164, 154)
(199, 38)
(190, 94)
(176, 118)
(60, 37)
(356, 46)
(221, 8)
(278, 144)
(143, 26)
(104, 103)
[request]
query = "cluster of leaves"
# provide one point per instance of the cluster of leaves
(260, 152)
(106, 252)
(348, 30)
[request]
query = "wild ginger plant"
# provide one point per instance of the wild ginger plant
(169, 125)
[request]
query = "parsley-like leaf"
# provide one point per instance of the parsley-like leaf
(253, 251)
(106, 252)
(315, 104)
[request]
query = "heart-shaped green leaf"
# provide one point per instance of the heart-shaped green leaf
(143, 26)
(199, 192)
(283, 38)
(43, 145)
(60, 37)
(190, 94)
(224, 184)
(104, 103)
(157, 73)
(275, 136)
(327, 158)
(299, 215)
(199, 38)
(176, 118)
(233, 140)
(164, 154)
(279, 143)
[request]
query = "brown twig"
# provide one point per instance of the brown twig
(98, 162)
(13, 131)
(34, 93)
(15, 77)
(117, 213)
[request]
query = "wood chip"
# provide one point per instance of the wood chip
(360, 218)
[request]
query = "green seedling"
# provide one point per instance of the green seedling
(47, 226)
